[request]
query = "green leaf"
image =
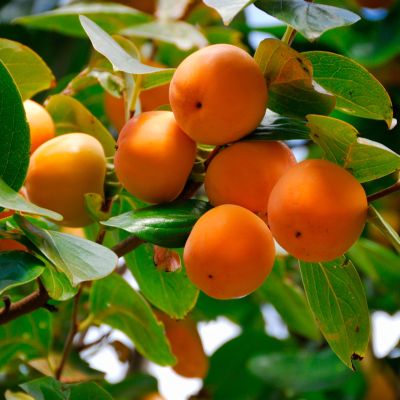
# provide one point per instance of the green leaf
(111, 17)
(300, 371)
(115, 303)
(244, 312)
(155, 79)
(15, 138)
(229, 377)
(134, 386)
(310, 19)
(367, 160)
(290, 302)
(14, 201)
(357, 91)
(9, 395)
(228, 9)
(375, 218)
(29, 71)
(337, 299)
(28, 337)
(18, 268)
(109, 48)
(167, 225)
(69, 115)
(378, 262)
(171, 9)
(278, 127)
(171, 292)
(47, 388)
(57, 284)
(80, 259)
(183, 35)
(292, 91)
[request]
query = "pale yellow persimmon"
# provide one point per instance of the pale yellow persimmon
(41, 125)
(62, 170)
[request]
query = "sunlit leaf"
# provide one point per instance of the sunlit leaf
(337, 300)
(367, 160)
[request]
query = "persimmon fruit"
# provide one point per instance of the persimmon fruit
(245, 173)
(317, 210)
(154, 157)
(186, 346)
(41, 125)
(229, 252)
(62, 170)
(218, 94)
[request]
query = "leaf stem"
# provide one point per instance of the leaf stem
(385, 192)
(127, 246)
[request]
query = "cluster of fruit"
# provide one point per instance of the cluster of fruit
(315, 209)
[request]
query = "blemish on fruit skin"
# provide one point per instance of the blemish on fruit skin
(210, 276)
(199, 104)
(297, 234)
(357, 329)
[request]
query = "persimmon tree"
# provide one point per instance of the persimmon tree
(101, 179)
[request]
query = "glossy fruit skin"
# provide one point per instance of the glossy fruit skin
(375, 3)
(246, 172)
(154, 157)
(146, 6)
(62, 170)
(317, 211)
(218, 94)
(150, 100)
(186, 346)
(41, 125)
(229, 252)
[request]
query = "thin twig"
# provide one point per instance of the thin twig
(71, 334)
(127, 246)
(385, 192)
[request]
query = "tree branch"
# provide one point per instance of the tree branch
(127, 246)
(71, 334)
(384, 192)
(24, 306)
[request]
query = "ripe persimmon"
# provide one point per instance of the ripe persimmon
(317, 210)
(41, 125)
(186, 346)
(62, 170)
(229, 252)
(245, 173)
(154, 157)
(218, 94)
